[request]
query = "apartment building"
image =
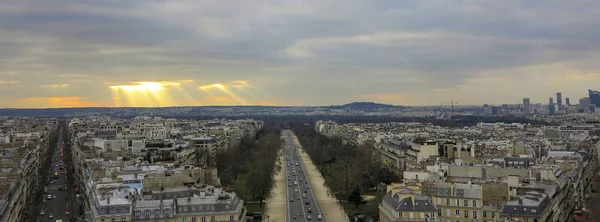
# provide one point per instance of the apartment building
(403, 204)
(530, 207)
(455, 201)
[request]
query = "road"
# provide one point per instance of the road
(300, 196)
(56, 207)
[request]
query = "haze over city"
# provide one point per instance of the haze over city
(188, 53)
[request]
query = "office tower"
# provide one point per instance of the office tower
(551, 108)
(567, 102)
(526, 106)
(550, 101)
(559, 100)
(594, 97)
(584, 105)
(592, 108)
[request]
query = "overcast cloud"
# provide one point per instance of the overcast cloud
(288, 52)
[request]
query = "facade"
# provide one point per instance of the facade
(526, 106)
(404, 204)
(594, 96)
(218, 206)
(456, 202)
(584, 105)
(205, 150)
(559, 100)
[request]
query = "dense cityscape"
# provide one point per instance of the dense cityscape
(299, 111)
(80, 165)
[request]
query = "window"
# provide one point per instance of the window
(447, 201)
(230, 218)
(457, 212)
(474, 203)
(448, 212)
(113, 210)
(493, 215)
(533, 210)
(440, 211)
(193, 219)
(457, 202)
(525, 209)
(411, 215)
(401, 215)
(212, 218)
(421, 215)
(526, 219)
(147, 214)
(137, 214)
(466, 214)
(484, 214)
(439, 201)
(474, 214)
(466, 203)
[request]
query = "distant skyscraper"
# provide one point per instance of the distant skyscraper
(567, 102)
(526, 106)
(551, 108)
(584, 104)
(594, 97)
(559, 100)
(550, 101)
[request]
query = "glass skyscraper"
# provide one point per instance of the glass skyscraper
(594, 97)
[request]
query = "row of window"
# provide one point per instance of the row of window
(465, 214)
(203, 219)
(157, 213)
(465, 202)
(412, 215)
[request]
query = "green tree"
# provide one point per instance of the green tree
(356, 197)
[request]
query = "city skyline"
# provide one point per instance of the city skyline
(191, 53)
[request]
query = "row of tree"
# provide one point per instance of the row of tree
(249, 166)
(347, 169)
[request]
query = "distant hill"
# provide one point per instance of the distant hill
(366, 105)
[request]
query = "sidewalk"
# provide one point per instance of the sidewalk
(275, 208)
(332, 210)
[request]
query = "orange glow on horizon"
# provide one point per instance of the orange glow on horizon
(56, 102)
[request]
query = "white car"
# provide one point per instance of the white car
(49, 197)
(319, 217)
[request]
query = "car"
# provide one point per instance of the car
(43, 200)
(298, 198)
(53, 196)
(42, 213)
(62, 172)
(308, 217)
(291, 199)
(50, 216)
(295, 190)
(49, 196)
(289, 184)
(305, 182)
(307, 203)
(309, 210)
(319, 217)
(67, 213)
(60, 188)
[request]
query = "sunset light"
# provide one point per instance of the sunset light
(143, 94)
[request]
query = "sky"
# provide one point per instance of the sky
(117, 53)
